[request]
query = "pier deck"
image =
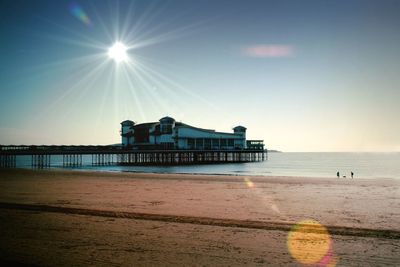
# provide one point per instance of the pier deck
(110, 155)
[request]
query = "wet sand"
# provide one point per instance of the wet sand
(66, 218)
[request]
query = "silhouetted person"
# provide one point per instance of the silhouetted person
(352, 174)
(338, 175)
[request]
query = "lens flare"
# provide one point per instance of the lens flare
(248, 182)
(78, 12)
(309, 242)
(268, 50)
(329, 260)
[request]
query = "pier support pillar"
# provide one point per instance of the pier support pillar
(8, 161)
(41, 160)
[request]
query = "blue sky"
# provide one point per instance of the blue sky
(302, 75)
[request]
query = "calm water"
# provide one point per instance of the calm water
(365, 165)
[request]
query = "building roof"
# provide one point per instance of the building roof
(239, 127)
(127, 123)
(181, 124)
(177, 124)
(167, 119)
(146, 125)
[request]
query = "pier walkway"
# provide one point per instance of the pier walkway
(110, 155)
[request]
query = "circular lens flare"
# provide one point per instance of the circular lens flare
(309, 242)
(118, 53)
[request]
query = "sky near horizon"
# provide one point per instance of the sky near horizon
(302, 75)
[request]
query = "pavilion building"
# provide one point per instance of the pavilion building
(170, 134)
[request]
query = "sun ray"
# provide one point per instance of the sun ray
(36, 71)
(69, 90)
(127, 21)
(142, 22)
(174, 84)
(114, 10)
(132, 90)
(86, 87)
(70, 41)
(76, 34)
(101, 22)
(163, 37)
(115, 92)
(167, 92)
(106, 92)
(145, 91)
(75, 62)
(161, 107)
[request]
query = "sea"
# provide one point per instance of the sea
(307, 164)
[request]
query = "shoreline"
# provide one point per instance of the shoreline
(257, 176)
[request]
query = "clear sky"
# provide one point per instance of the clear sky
(302, 75)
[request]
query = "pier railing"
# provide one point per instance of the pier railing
(109, 155)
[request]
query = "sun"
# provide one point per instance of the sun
(118, 53)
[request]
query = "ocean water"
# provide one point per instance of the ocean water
(364, 165)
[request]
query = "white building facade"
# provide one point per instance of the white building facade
(169, 134)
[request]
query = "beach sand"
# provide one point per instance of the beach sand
(64, 218)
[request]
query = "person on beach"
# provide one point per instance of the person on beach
(352, 174)
(338, 175)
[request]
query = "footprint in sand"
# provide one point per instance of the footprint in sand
(156, 203)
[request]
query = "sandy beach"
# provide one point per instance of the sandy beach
(64, 218)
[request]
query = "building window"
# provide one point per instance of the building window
(215, 143)
(141, 135)
(199, 142)
(190, 143)
(230, 142)
(207, 143)
(223, 142)
(166, 128)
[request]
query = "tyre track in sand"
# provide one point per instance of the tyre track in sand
(263, 225)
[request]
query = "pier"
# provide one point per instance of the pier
(112, 155)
